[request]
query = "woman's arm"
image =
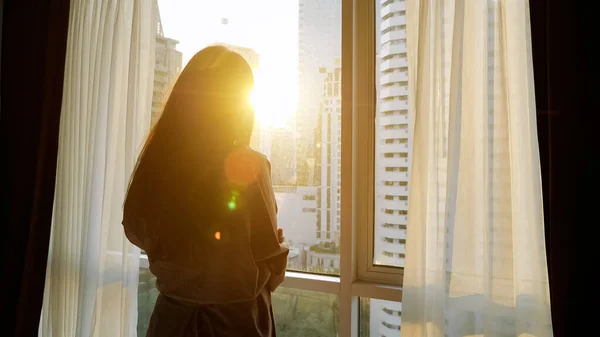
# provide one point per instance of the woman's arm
(277, 265)
(266, 245)
(264, 237)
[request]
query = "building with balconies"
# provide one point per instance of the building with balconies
(393, 145)
(392, 136)
(167, 66)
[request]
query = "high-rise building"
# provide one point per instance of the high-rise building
(324, 256)
(167, 66)
(393, 148)
(296, 215)
(328, 163)
(392, 142)
(320, 27)
(385, 318)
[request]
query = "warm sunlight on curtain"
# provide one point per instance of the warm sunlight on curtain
(92, 276)
(475, 261)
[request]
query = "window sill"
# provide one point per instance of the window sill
(329, 284)
(378, 291)
(313, 282)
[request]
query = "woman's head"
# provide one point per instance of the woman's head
(206, 116)
(210, 101)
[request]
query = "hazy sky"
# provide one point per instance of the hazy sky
(268, 26)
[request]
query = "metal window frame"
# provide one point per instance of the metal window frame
(364, 110)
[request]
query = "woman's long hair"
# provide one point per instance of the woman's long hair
(179, 175)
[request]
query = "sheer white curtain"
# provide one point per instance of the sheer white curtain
(92, 275)
(475, 261)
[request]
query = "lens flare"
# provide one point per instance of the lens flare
(274, 104)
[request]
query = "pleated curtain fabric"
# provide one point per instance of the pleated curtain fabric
(475, 260)
(92, 275)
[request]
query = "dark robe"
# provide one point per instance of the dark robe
(215, 277)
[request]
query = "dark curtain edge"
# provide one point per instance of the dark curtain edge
(563, 36)
(34, 38)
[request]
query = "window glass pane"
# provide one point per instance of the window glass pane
(392, 139)
(379, 318)
(303, 313)
(314, 239)
(296, 59)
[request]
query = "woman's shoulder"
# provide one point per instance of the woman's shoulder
(252, 152)
(258, 159)
(244, 165)
(261, 156)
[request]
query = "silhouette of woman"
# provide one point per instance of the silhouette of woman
(201, 205)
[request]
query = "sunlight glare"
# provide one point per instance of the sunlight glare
(273, 101)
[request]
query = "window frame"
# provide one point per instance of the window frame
(365, 109)
(359, 276)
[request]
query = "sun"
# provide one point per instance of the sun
(274, 102)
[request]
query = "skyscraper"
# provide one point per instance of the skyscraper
(328, 148)
(393, 148)
(385, 318)
(320, 39)
(167, 66)
(392, 143)
(296, 215)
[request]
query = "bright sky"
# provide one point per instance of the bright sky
(270, 27)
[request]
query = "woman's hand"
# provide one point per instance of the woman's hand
(280, 236)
